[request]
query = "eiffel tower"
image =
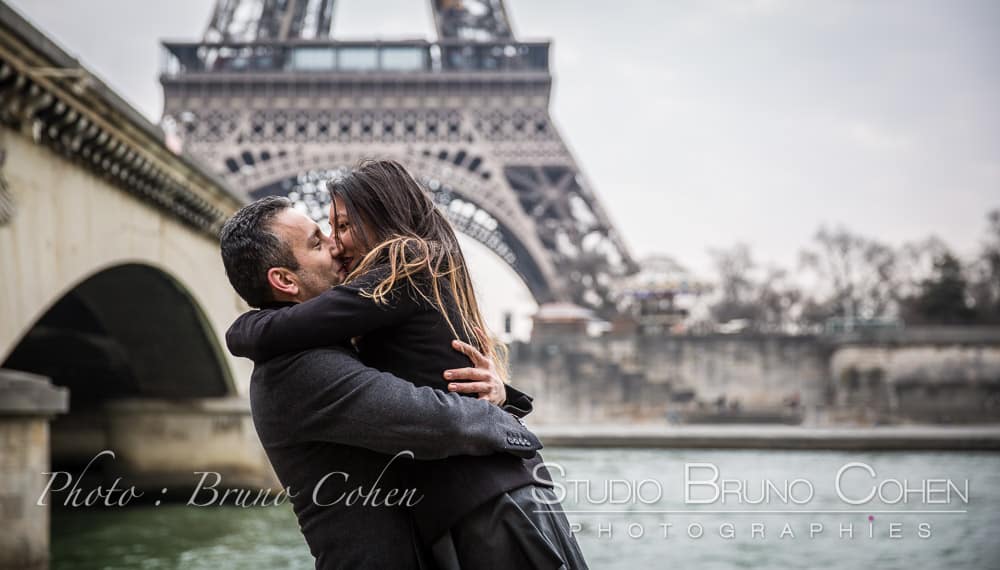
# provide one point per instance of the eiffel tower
(277, 106)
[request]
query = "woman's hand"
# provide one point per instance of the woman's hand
(481, 379)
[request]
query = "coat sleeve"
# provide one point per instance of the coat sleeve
(332, 318)
(518, 403)
(337, 399)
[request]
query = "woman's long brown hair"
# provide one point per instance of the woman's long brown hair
(396, 224)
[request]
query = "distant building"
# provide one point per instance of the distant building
(662, 298)
(560, 321)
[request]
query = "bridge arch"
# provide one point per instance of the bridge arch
(117, 333)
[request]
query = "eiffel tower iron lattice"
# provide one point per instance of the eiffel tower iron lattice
(276, 105)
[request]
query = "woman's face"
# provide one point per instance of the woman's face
(349, 247)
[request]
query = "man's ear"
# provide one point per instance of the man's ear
(283, 281)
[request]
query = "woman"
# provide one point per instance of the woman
(407, 294)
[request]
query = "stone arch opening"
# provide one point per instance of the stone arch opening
(130, 331)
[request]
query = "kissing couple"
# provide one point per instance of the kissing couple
(369, 343)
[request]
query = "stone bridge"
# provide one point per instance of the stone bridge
(114, 298)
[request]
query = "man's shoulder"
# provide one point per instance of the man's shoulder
(300, 377)
(325, 357)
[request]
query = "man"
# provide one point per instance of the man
(329, 424)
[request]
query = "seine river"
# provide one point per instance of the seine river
(701, 509)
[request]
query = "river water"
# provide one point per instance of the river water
(642, 509)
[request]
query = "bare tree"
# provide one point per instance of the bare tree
(984, 281)
(916, 263)
(764, 296)
(780, 300)
(735, 268)
(857, 277)
(860, 273)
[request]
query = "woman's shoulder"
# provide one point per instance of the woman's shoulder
(369, 278)
(415, 287)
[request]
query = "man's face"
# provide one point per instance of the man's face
(319, 268)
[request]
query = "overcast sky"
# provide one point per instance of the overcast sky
(699, 123)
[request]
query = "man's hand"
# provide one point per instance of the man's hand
(483, 379)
